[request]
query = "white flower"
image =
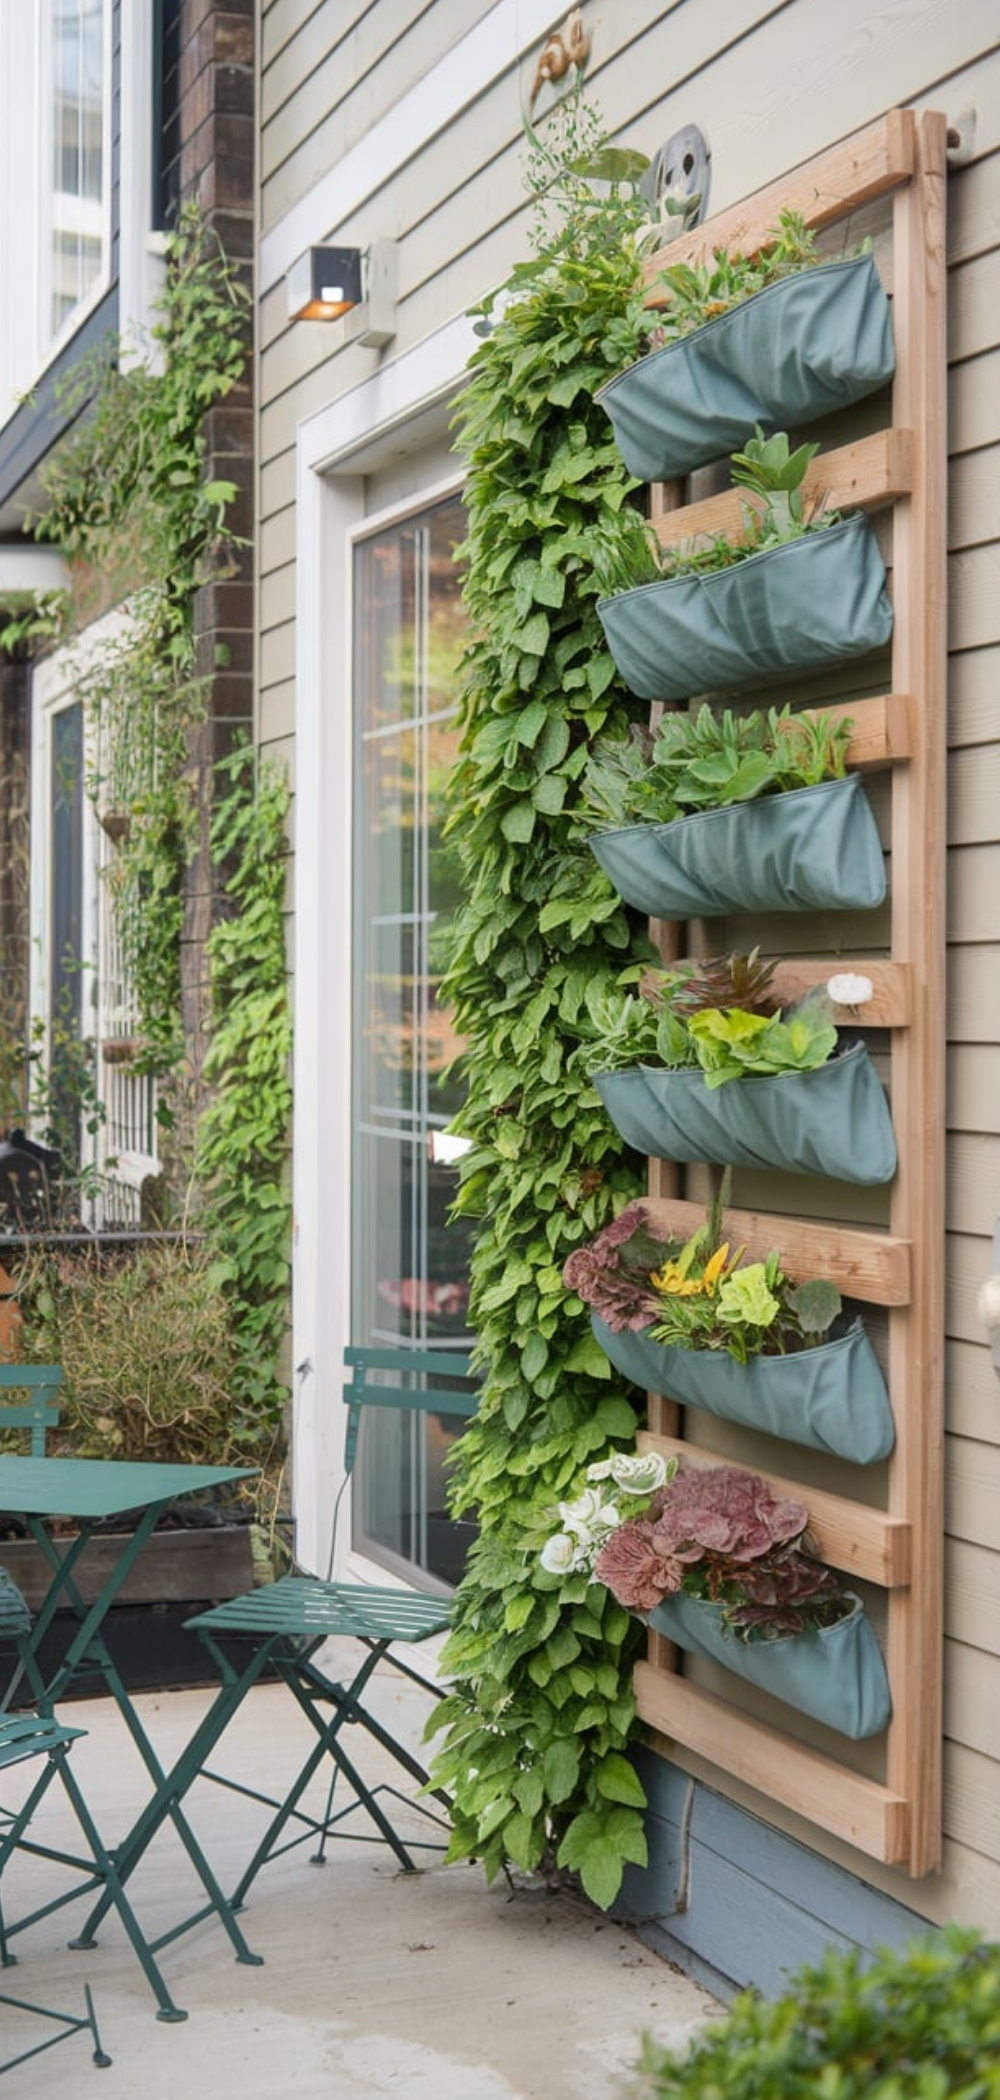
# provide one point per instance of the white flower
(989, 1304)
(638, 1473)
(562, 1555)
(601, 1468)
(589, 1517)
(848, 990)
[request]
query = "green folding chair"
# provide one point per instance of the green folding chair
(285, 1624)
(25, 1736)
(39, 1411)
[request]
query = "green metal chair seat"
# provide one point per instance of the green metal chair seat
(305, 1608)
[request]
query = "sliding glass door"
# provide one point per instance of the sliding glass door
(409, 1265)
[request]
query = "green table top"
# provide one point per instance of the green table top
(99, 1487)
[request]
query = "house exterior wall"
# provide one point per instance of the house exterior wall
(376, 128)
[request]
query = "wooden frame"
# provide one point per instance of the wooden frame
(896, 1819)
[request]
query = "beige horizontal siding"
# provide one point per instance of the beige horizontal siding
(973, 683)
(974, 994)
(974, 1088)
(973, 1399)
(972, 1594)
(974, 487)
(973, 884)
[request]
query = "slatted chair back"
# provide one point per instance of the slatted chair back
(38, 1411)
(409, 1379)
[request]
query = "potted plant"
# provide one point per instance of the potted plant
(774, 338)
(718, 812)
(798, 587)
(695, 1320)
(702, 1065)
(714, 1560)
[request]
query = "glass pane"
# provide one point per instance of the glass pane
(410, 1265)
(66, 1020)
(74, 190)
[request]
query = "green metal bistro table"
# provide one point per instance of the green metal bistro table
(89, 1491)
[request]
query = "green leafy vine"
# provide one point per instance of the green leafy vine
(243, 1132)
(143, 527)
(541, 1711)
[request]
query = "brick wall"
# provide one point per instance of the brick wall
(216, 133)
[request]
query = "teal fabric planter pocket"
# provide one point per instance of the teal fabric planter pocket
(800, 349)
(811, 849)
(809, 602)
(834, 1673)
(834, 1121)
(832, 1398)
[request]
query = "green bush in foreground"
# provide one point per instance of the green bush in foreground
(923, 2024)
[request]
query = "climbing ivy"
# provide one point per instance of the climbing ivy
(542, 1708)
(128, 501)
(127, 497)
(243, 1132)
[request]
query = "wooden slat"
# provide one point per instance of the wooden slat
(864, 476)
(864, 1814)
(870, 164)
(852, 1536)
(888, 1007)
(871, 1266)
(919, 659)
(881, 729)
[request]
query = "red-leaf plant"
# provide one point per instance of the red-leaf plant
(720, 1533)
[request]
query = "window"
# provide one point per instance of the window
(409, 1264)
(74, 177)
(55, 172)
(101, 1113)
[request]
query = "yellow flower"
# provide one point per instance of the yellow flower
(673, 1283)
(714, 1268)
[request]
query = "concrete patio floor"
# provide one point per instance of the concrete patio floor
(376, 1985)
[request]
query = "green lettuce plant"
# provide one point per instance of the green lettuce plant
(709, 760)
(627, 553)
(676, 1020)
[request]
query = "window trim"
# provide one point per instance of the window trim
(48, 346)
(409, 399)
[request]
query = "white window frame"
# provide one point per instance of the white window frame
(27, 345)
(48, 343)
(335, 449)
(56, 686)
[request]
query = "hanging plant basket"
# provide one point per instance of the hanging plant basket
(833, 1121)
(834, 1673)
(802, 348)
(810, 849)
(817, 600)
(832, 1397)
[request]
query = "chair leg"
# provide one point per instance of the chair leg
(68, 2023)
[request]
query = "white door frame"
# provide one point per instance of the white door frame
(392, 412)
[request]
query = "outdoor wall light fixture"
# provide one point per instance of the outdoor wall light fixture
(328, 283)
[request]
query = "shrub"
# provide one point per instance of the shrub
(147, 1348)
(923, 2024)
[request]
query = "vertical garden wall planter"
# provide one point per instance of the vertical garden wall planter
(801, 348)
(817, 600)
(832, 1397)
(833, 1121)
(810, 849)
(834, 1673)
